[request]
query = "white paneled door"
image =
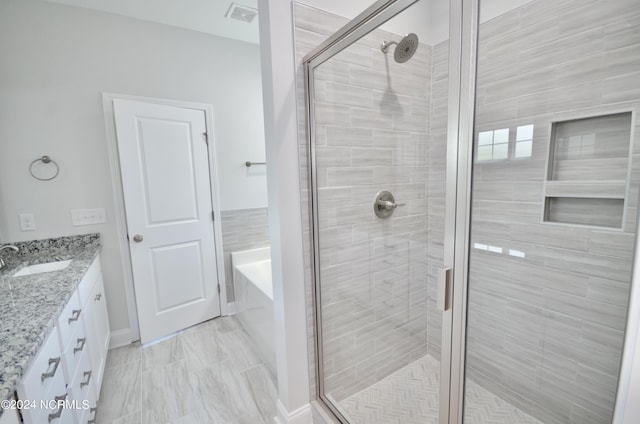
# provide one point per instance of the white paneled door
(167, 191)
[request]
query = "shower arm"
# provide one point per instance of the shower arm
(386, 44)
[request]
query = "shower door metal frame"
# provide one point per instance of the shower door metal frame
(462, 59)
(468, 14)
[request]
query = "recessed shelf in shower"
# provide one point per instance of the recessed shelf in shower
(588, 171)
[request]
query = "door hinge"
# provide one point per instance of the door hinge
(213, 215)
(218, 288)
(206, 137)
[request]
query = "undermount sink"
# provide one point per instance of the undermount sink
(39, 268)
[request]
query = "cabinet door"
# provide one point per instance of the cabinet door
(9, 416)
(44, 379)
(100, 332)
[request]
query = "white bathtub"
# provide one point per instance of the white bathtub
(254, 299)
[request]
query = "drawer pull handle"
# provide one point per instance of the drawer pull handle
(80, 346)
(75, 315)
(94, 411)
(86, 383)
(98, 297)
(55, 362)
(57, 414)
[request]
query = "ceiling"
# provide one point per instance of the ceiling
(206, 16)
(429, 19)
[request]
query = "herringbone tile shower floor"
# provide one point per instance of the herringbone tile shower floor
(410, 396)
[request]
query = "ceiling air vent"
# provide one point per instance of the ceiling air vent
(241, 13)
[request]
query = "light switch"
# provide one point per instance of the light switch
(27, 222)
(88, 216)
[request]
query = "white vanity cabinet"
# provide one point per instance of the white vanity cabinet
(88, 378)
(97, 325)
(70, 364)
(43, 382)
(9, 416)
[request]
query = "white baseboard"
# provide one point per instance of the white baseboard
(299, 416)
(231, 308)
(121, 338)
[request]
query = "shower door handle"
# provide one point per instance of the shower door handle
(444, 283)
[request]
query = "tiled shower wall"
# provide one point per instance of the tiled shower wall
(373, 133)
(242, 229)
(545, 331)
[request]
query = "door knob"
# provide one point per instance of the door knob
(138, 238)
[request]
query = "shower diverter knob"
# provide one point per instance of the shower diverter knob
(385, 204)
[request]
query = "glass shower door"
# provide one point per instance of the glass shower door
(378, 123)
(554, 211)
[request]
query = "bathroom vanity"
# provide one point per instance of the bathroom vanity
(54, 333)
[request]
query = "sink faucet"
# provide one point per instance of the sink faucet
(9, 246)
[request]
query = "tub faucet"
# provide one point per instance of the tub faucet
(8, 246)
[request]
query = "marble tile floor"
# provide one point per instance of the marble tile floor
(208, 374)
(410, 396)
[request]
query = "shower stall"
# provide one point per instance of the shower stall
(473, 178)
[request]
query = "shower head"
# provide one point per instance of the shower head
(405, 48)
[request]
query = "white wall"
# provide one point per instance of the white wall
(57, 61)
(285, 229)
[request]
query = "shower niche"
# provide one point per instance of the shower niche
(588, 171)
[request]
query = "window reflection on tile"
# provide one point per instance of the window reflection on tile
(485, 153)
(501, 136)
(523, 149)
(524, 132)
(493, 145)
(485, 138)
(500, 151)
(524, 142)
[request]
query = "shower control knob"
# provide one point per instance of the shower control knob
(388, 205)
(138, 238)
(385, 204)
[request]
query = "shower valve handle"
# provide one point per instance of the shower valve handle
(388, 205)
(385, 204)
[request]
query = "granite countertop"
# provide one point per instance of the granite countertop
(31, 304)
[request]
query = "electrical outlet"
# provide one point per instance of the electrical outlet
(88, 216)
(27, 222)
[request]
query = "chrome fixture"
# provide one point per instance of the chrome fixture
(248, 163)
(46, 160)
(405, 48)
(385, 204)
(11, 247)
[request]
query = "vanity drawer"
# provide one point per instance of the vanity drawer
(81, 388)
(69, 320)
(88, 416)
(75, 349)
(55, 413)
(44, 376)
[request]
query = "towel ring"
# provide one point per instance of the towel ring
(44, 159)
